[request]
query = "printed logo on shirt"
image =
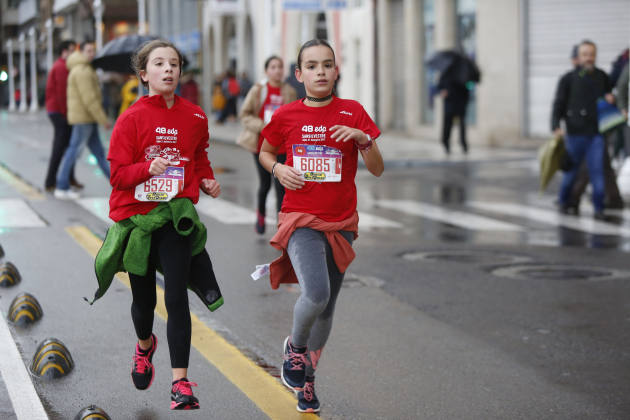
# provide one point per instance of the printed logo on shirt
(346, 113)
(199, 116)
(166, 135)
(313, 132)
(172, 154)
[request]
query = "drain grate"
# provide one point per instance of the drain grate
(466, 256)
(559, 272)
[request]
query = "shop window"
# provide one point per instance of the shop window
(467, 44)
(429, 75)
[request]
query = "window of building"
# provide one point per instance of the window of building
(321, 31)
(467, 43)
(428, 48)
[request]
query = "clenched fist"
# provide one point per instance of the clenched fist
(211, 187)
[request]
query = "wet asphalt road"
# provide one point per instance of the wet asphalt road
(435, 320)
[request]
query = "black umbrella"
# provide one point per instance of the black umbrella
(116, 54)
(442, 60)
(456, 66)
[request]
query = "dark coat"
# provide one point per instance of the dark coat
(576, 101)
(458, 95)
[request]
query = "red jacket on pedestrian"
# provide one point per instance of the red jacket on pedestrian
(147, 130)
(56, 86)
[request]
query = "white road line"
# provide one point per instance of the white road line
(369, 221)
(451, 217)
(15, 213)
(232, 214)
(26, 402)
(551, 217)
(228, 212)
(98, 206)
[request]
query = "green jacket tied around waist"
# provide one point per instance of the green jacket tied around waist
(128, 242)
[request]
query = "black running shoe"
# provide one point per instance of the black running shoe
(294, 365)
(142, 372)
(307, 400)
(182, 397)
(260, 223)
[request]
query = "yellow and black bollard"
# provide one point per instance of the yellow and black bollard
(9, 275)
(25, 309)
(92, 412)
(52, 360)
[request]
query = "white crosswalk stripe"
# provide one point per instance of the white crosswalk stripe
(452, 217)
(98, 206)
(552, 217)
(230, 213)
(227, 212)
(15, 213)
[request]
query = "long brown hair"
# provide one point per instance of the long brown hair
(141, 56)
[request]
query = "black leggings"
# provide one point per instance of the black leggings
(173, 252)
(265, 185)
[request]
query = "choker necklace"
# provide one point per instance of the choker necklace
(324, 99)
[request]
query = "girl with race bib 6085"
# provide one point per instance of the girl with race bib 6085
(323, 136)
(159, 163)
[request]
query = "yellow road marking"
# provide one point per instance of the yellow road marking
(19, 184)
(260, 387)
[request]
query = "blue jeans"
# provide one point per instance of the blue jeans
(590, 148)
(81, 134)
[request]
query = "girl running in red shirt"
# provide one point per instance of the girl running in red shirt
(323, 136)
(159, 162)
(258, 107)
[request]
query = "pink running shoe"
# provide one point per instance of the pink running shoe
(142, 372)
(182, 397)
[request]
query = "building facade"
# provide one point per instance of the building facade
(521, 47)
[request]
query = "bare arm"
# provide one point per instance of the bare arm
(289, 177)
(372, 156)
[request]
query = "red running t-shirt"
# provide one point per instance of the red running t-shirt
(273, 101)
(306, 131)
(146, 130)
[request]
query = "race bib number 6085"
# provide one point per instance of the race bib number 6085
(317, 163)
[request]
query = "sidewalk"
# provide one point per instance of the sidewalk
(400, 150)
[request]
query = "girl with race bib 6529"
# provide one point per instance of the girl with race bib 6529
(159, 163)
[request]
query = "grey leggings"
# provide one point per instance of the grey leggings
(320, 282)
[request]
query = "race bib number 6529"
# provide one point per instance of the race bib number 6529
(162, 187)
(317, 163)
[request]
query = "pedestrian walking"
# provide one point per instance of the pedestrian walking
(456, 96)
(57, 109)
(231, 89)
(190, 88)
(576, 103)
(297, 85)
(128, 94)
(85, 112)
(159, 163)
(612, 197)
(259, 105)
(323, 136)
(622, 90)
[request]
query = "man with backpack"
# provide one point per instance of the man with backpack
(576, 103)
(231, 90)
